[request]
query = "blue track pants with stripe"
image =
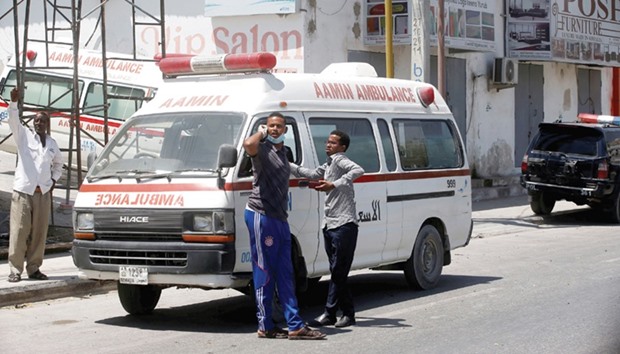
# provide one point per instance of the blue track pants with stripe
(270, 244)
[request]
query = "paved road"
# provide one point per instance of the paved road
(525, 284)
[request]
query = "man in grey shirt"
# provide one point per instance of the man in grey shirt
(339, 224)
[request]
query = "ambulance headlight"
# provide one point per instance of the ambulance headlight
(214, 222)
(84, 221)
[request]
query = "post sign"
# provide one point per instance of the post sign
(374, 31)
(469, 25)
(215, 8)
(586, 32)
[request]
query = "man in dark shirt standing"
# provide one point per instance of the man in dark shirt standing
(339, 224)
(270, 236)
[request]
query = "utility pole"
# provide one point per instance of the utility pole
(389, 42)
(420, 29)
(441, 54)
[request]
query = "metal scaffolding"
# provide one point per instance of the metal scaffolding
(65, 16)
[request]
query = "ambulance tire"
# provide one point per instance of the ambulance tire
(423, 268)
(138, 299)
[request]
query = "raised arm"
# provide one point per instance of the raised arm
(252, 142)
(14, 123)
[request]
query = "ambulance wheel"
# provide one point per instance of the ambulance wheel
(541, 203)
(138, 299)
(423, 268)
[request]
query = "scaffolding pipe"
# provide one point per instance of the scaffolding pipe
(104, 67)
(76, 25)
(16, 35)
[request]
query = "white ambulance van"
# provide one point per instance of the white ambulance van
(49, 86)
(163, 205)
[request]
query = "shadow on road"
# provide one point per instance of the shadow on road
(500, 203)
(237, 314)
(568, 218)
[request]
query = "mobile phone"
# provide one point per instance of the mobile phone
(313, 183)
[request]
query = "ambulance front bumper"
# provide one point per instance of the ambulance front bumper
(171, 263)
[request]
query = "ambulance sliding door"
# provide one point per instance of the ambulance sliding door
(303, 215)
(370, 189)
(303, 204)
(393, 208)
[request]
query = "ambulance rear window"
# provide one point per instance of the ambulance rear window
(424, 144)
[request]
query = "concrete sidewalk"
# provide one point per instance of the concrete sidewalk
(62, 282)
(58, 263)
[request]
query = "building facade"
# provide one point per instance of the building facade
(509, 64)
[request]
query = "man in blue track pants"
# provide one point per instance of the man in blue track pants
(270, 237)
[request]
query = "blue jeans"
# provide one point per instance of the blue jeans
(340, 247)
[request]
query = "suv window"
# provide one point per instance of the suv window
(581, 141)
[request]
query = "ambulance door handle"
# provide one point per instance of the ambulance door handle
(304, 183)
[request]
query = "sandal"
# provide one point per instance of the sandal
(274, 333)
(14, 278)
(37, 275)
(306, 333)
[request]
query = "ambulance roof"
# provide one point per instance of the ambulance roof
(265, 92)
(121, 68)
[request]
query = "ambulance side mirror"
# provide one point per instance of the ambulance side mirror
(90, 160)
(226, 157)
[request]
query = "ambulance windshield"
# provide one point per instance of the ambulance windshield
(168, 145)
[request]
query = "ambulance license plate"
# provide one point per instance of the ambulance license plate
(133, 275)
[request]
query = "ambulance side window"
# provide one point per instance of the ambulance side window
(291, 143)
(122, 101)
(43, 90)
(388, 144)
(427, 144)
(363, 149)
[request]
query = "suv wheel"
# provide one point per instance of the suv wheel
(541, 203)
(614, 211)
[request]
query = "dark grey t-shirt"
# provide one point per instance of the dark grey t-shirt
(271, 177)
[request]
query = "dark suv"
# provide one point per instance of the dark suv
(578, 162)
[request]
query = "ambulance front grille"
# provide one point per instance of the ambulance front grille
(139, 237)
(143, 258)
